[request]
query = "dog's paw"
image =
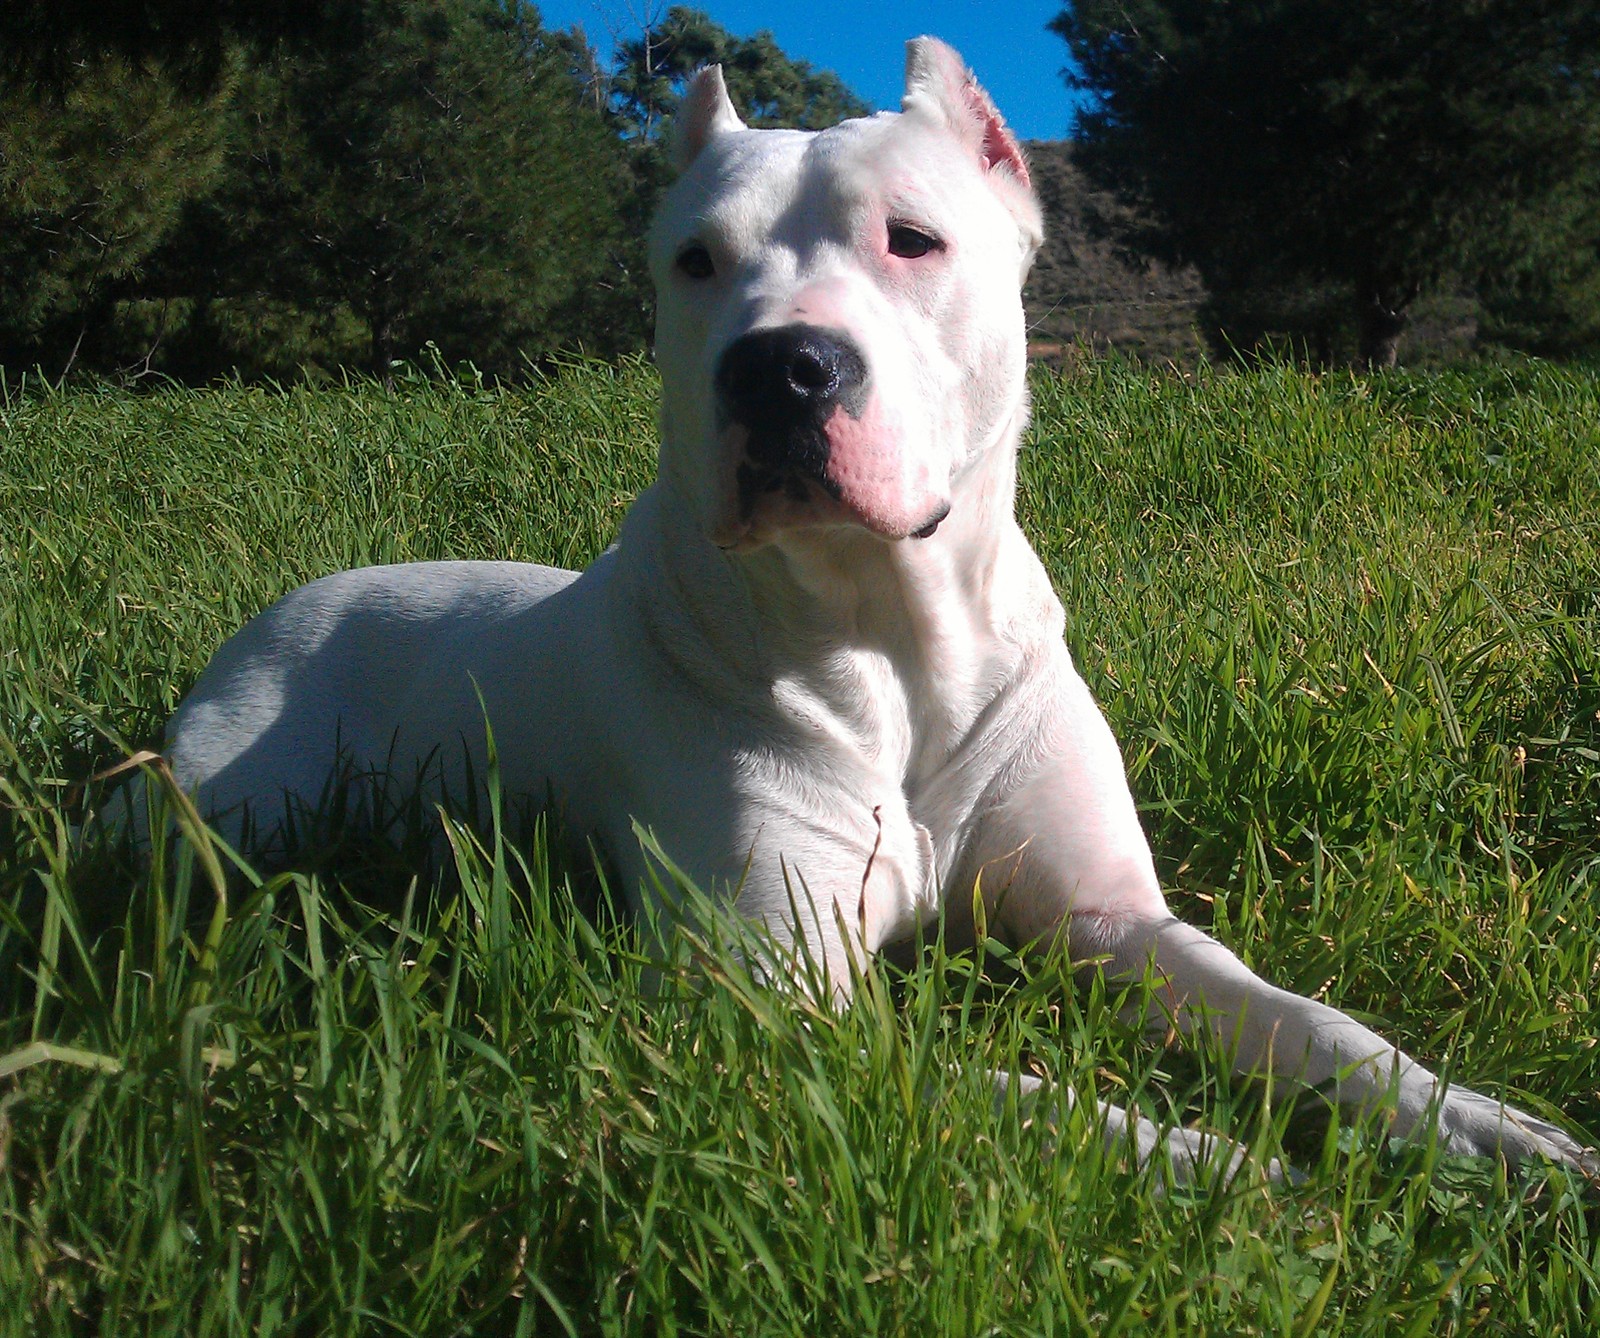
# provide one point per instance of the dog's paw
(1195, 1156)
(1474, 1125)
(1191, 1156)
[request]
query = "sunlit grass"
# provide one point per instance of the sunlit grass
(1349, 634)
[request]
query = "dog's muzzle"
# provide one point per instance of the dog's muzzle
(782, 386)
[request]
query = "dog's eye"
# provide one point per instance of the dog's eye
(695, 261)
(911, 243)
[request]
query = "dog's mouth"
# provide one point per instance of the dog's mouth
(769, 501)
(756, 482)
(844, 472)
(928, 530)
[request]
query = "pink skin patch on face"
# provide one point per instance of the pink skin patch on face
(864, 486)
(867, 471)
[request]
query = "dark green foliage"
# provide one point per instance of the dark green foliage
(91, 183)
(768, 87)
(1315, 157)
(48, 43)
(437, 180)
(421, 180)
(1541, 285)
(353, 184)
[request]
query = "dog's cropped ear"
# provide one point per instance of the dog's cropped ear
(940, 87)
(939, 83)
(706, 112)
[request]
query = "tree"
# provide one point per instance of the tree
(50, 43)
(1540, 288)
(336, 187)
(438, 177)
(1365, 150)
(93, 179)
(433, 176)
(768, 86)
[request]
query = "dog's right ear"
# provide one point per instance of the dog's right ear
(940, 88)
(939, 84)
(707, 112)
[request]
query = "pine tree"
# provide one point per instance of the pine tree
(438, 178)
(1309, 150)
(93, 179)
(51, 43)
(768, 86)
(432, 178)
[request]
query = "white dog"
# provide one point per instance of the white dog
(821, 654)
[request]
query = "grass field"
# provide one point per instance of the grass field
(1349, 634)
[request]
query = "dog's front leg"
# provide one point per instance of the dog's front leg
(1185, 1151)
(1063, 850)
(1200, 983)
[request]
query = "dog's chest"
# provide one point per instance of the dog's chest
(872, 713)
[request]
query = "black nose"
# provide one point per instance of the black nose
(783, 385)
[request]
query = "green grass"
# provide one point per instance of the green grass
(1349, 634)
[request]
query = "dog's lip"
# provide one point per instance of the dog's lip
(834, 512)
(758, 505)
(934, 521)
(753, 531)
(830, 508)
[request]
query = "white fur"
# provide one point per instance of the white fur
(804, 696)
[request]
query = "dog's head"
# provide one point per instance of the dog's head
(839, 324)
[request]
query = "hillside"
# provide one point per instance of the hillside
(1081, 289)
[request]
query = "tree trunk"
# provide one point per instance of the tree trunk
(382, 347)
(1383, 320)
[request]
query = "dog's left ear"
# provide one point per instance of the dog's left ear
(706, 112)
(941, 87)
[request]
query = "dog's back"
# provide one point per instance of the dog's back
(323, 682)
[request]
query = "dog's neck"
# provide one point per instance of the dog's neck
(901, 645)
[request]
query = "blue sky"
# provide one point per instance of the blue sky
(864, 43)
